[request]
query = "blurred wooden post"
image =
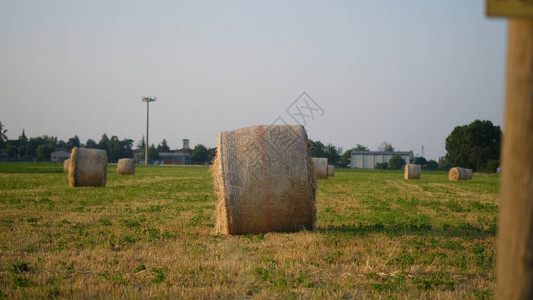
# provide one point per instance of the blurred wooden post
(515, 236)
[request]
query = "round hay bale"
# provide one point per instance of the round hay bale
(457, 173)
(321, 167)
(88, 167)
(263, 180)
(412, 171)
(469, 174)
(66, 165)
(331, 170)
(126, 166)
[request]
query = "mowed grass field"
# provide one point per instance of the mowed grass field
(151, 236)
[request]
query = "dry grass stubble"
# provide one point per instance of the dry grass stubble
(152, 235)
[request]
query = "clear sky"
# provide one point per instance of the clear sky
(405, 72)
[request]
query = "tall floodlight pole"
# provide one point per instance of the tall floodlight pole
(147, 100)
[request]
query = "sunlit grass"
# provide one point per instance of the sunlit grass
(151, 235)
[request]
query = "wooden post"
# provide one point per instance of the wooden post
(515, 236)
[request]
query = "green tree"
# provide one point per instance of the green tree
(34, 143)
(444, 164)
(473, 146)
(126, 148)
(163, 147)
(212, 154)
(317, 149)
(23, 141)
(432, 165)
(333, 154)
(31, 148)
(420, 160)
(396, 162)
(73, 142)
(386, 147)
(12, 151)
(200, 154)
(115, 151)
(44, 151)
(382, 166)
(347, 155)
(141, 144)
(104, 143)
(23, 137)
(91, 144)
(60, 144)
(3, 136)
(152, 153)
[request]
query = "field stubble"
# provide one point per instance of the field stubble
(151, 235)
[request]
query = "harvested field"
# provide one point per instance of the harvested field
(152, 235)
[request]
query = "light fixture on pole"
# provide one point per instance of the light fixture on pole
(147, 100)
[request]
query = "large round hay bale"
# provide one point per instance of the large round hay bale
(457, 173)
(412, 171)
(321, 167)
(126, 166)
(263, 180)
(331, 170)
(469, 173)
(88, 167)
(66, 165)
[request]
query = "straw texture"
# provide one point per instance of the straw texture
(126, 166)
(321, 167)
(469, 173)
(66, 165)
(457, 173)
(412, 171)
(264, 180)
(331, 170)
(88, 167)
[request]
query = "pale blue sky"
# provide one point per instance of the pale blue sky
(405, 72)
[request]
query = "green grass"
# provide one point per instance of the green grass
(151, 235)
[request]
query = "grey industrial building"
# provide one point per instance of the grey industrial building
(369, 159)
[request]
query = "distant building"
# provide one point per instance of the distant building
(369, 159)
(185, 144)
(60, 155)
(174, 158)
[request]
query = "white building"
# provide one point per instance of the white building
(369, 159)
(60, 154)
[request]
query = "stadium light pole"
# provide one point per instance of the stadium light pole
(147, 100)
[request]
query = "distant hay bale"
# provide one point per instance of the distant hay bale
(66, 164)
(126, 166)
(331, 170)
(469, 174)
(88, 167)
(263, 180)
(412, 171)
(457, 173)
(321, 167)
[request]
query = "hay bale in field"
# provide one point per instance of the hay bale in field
(321, 167)
(457, 173)
(263, 180)
(66, 165)
(331, 170)
(412, 171)
(469, 174)
(88, 167)
(126, 166)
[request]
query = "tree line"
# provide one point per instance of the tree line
(41, 148)
(474, 146)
